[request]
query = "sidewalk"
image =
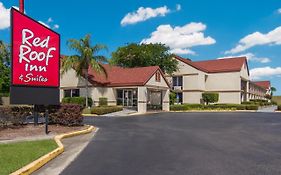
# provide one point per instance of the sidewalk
(72, 148)
(124, 112)
(267, 109)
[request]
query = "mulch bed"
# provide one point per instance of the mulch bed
(33, 131)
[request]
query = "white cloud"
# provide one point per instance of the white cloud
(257, 38)
(50, 20)
(259, 73)
(182, 51)
(4, 17)
(180, 38)
(44, 24)
(56, 26)
(279, 11)
(143, 14)
(178, 7)
(251, 57)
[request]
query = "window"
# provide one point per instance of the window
(71, 93)
(177, 81)
(179, 98)
(158, 76)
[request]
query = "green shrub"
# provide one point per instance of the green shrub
(106, 109)
(77, 100)
(173, 98)
(103, 101)
(279, 108)
(194, 106)
(248, 102)
(179, 108)
(210, 97)
(252, 107)
(86, 111)
(154, 107)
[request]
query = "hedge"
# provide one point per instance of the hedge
(186, 107)
(106, 109)
(103, 101)
(14, 115)
(77, 100)
(64, 114)
(67, 114)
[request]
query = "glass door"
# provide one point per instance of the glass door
(128, 98)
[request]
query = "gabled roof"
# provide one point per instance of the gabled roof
(118, 76)
(263, 84)
(218, 65)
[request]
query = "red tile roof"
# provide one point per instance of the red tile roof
(217, 66)
(118, 76)
(263, 84)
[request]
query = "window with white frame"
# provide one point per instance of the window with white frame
(71, 92)
(177, 81)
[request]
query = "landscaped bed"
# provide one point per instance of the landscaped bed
(26, 131)
(13, 156)
(227, 107)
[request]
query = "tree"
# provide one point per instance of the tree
(84, 59)
(272, 90)
(4, 67)
(141, 55)
(210, 97)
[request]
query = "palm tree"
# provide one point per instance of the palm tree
(272, 89)
(84, 59)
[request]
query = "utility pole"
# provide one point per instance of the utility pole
(21, 6)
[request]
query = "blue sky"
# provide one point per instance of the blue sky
(198, 29)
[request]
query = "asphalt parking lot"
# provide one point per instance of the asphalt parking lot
(183, 144)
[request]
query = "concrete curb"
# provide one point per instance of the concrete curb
(35, 165)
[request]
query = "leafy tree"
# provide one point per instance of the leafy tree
(141, 55)
(85, 58)
(173, 98)
(210, 97)
(272, 89)
(4, 67)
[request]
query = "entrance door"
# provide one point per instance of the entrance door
(128, 98)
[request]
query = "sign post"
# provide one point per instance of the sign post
(35, 53)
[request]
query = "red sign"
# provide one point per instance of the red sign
(35, 53)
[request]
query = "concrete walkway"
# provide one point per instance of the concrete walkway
(125, 112)
(267, 109)
(73, 147)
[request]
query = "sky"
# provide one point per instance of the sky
(199, 30)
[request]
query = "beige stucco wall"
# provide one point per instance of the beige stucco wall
(223, 81)
(229, 97)
(142, 99)
(153, 82)
(192, 97)
(166, 100)
(108, 92)
(69, 79)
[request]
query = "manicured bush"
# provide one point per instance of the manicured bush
(77, 100)
(86, 111)
(252, 107)
(194, 106)
(173, 98)
(103, 101)
(14, 115)
(66, 114)
(106, 109)
(210, 97)
(154, 107)
(179, 108)
(248, 102)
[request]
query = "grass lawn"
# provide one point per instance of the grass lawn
(13, 156)
(277, 99)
